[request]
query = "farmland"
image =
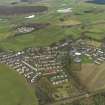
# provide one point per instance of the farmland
(84, 14)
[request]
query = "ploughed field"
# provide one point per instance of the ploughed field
(11, 10)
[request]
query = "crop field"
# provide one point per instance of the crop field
(14, 90)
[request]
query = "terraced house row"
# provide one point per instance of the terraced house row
(34, 63)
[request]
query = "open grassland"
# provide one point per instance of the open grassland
(92, 76)
(70, 22)
(14, 90)
(85, 14)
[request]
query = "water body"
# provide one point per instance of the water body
(6, 10)
(97, 1)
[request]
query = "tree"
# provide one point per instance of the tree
(46, 86)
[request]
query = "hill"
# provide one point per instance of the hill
(14, 90)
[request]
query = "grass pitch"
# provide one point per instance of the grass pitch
(14, 90)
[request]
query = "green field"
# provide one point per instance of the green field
(14, 90)
(54, 32)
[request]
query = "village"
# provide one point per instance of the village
(33, 64)
(82, 48)
(50, 62)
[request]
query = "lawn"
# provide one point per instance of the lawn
(14, 90)
(86, 59)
